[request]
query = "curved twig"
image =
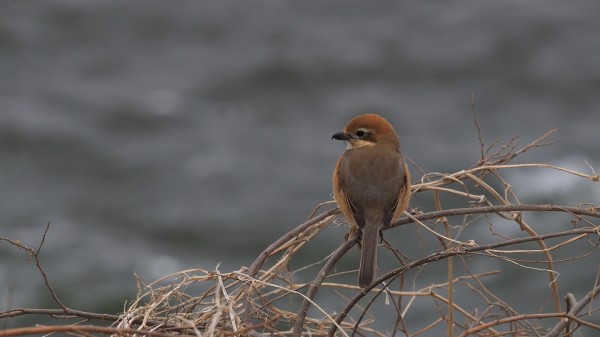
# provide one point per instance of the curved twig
(575, 309)
(264, 255)
(316, 283)
(82, 329)
(445, 254)
(497, 209)
(522, 317)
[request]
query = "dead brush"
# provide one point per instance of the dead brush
(268, 298)
(256, 301)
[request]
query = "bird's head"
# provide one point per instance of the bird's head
(368, 130)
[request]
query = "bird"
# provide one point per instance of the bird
(371, 184)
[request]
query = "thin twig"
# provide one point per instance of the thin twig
(314, 287)
(36, 255)
(47, 329)
(496, 209)
(566, 317)
(257, 264)
(445, 254)
(477, 128)
(575, 309)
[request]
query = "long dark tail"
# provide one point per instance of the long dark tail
(368, 255)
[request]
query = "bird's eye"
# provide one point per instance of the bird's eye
(361, 134)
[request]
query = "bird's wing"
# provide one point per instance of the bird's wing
(357, 212)
(352, 205)
(401, 201)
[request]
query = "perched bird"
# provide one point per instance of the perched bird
(371, 183)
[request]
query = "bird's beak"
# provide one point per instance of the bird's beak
(340, 136)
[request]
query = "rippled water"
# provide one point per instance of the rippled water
(157, 138)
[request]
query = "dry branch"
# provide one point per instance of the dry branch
(571, 315)
(268, 299)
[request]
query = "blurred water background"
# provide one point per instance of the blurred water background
(159, 136)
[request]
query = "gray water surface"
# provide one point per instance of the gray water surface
(157, 137)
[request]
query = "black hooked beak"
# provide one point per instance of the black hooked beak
(340, 136)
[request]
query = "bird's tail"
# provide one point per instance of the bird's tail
(368, 255)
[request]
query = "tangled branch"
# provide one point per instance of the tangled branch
(276, 297)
